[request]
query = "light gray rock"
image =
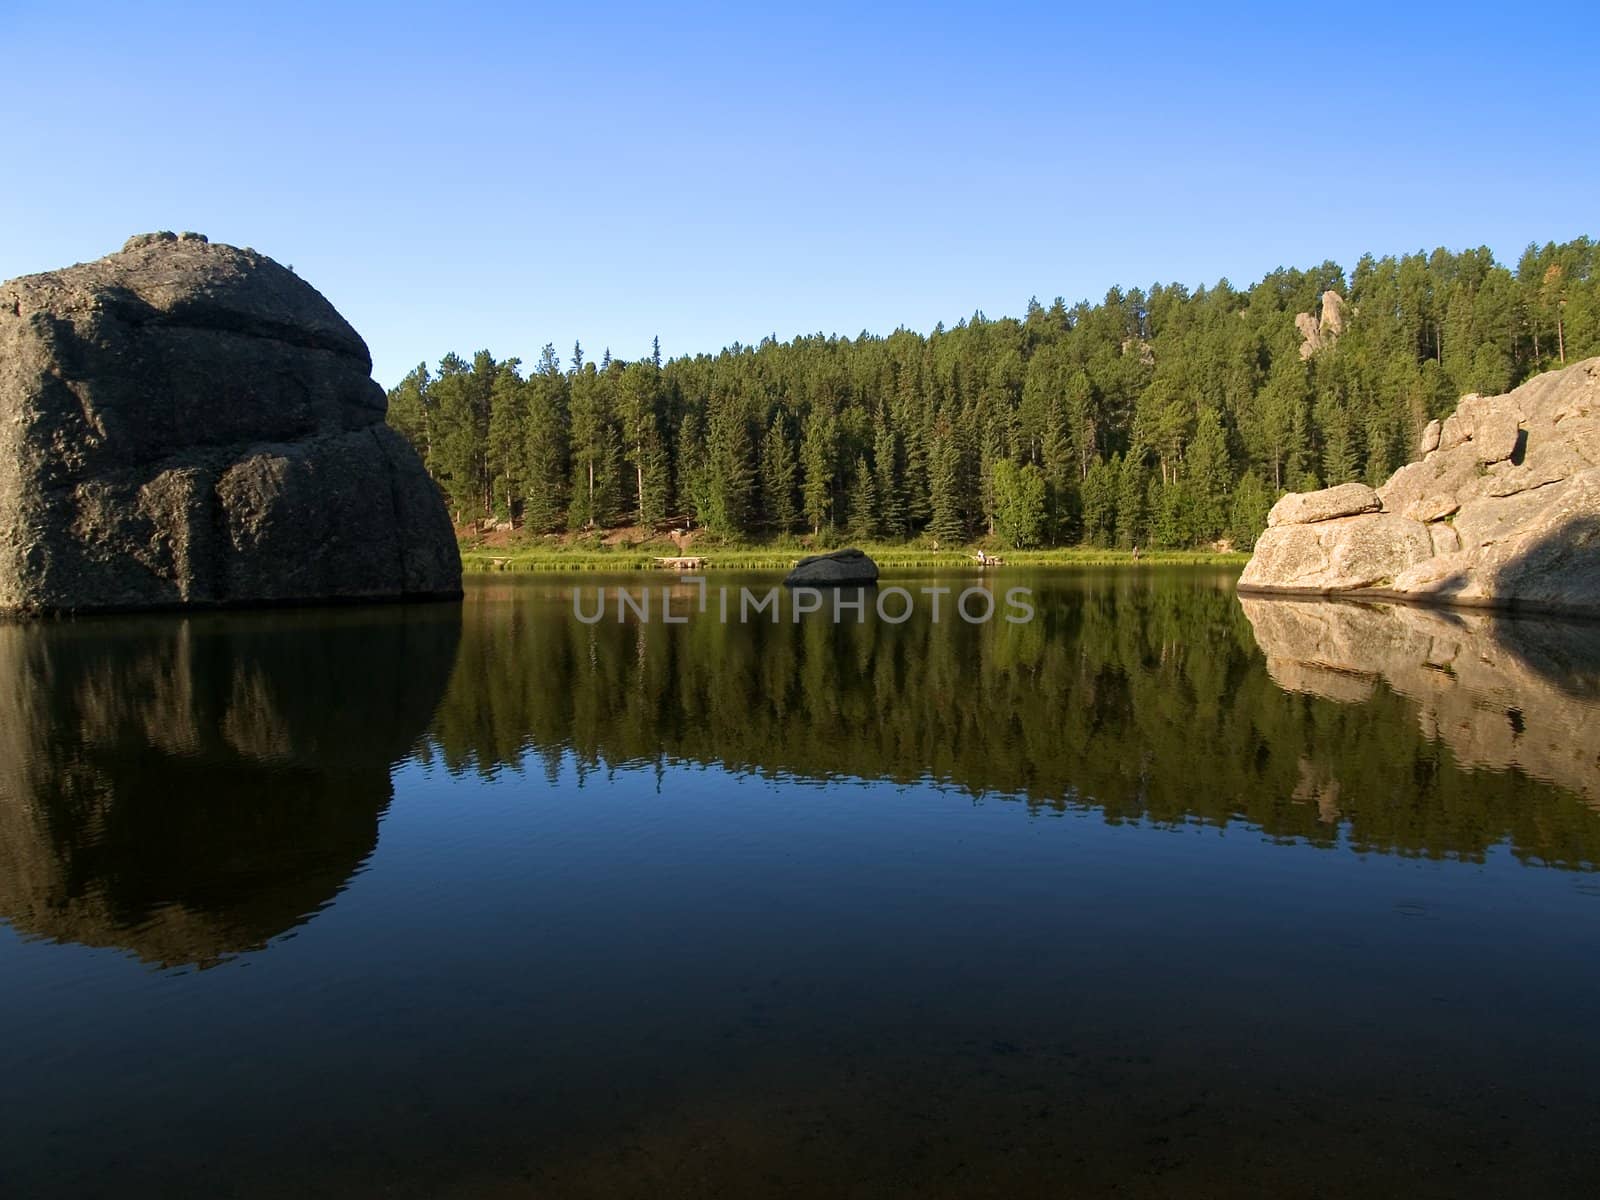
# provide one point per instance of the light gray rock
(1303, 508)
(1310, 334)
(1503, 512)
(1317, 332)
(1332, 323)
(1430, 436)
(1347, 552)
(1488, 424)
(841, 568)
(188, 424)
(1433, 485)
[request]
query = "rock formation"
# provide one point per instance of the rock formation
(1502, 511)
(841, 568)
(1319, 332)
(187, 424)
(1499, 692)
(186, 788)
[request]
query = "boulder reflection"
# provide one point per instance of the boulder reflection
(1500, 692)
(188, 788)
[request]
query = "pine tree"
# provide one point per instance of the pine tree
(549, 480)
(1209, 473)
(507, 439)
(638, 404)
(817, 454)
(408, 413)
(731, 472)
(1133, 485)
(863, 503)
(887, 481)
(944, 488)
(1100, 503)
(592, 492)
(778, 476)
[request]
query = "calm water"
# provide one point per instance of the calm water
(1161, 894)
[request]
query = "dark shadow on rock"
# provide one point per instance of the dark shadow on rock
(187, 788)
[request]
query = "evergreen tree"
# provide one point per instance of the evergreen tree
(944, 485)
(1209, 475)
(1100, 503)
(778, 477)
(888, 483)
(549, 480)
(731, 472)
(409, 404)
(863, 503)
(817, 455)
(1133, 485)
(506, 446)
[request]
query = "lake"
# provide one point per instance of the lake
(1159, 893)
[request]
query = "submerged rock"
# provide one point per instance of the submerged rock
(189, 424)
(842, 568)
(1501, 511)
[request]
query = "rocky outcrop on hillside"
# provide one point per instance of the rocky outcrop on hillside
(1501, 510)
(188, 424)
(1500, 692)
(1317, 332)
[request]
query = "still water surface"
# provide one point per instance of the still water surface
(1162, 894)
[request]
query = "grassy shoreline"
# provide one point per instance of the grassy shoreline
(477, 558)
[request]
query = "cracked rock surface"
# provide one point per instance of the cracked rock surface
(1501, 510)
(188, 424)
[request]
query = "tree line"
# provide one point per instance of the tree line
(1163, 417)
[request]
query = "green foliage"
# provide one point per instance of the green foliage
(547, 454)
(1021, 513)
(779, 472)
(818, 459)
(1166, 416)
(1247, 511)
(944, 489)
(863, 503)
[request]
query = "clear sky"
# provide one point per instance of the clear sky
(468, 175)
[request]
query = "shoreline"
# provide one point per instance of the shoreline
(478, 561)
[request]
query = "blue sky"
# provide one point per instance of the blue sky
(502, 175)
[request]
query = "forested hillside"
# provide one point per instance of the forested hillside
(1165, 417)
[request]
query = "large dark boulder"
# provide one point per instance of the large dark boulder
(842, 568)
(188, 424)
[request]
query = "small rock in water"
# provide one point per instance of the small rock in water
(841, 568)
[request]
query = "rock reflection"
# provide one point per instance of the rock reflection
(188, 788)
(1499, 692)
